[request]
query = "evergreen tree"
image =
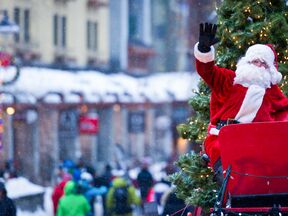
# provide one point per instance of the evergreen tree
(240, 25)
(244, 23)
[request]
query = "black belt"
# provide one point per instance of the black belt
(222, 123)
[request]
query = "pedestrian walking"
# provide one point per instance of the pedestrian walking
(72, 203)
(144, 181)
(121, 197)
(7, 206)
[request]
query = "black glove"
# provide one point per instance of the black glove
(205, 160)
(207, 37)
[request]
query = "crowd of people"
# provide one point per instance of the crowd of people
(79, 187)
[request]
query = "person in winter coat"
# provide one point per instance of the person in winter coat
(121, 197)
(249, 94)
(72, 203)
(144, 181)
(58, 192)
(89, 190)
(7, 206)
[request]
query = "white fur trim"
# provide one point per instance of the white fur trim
(204, 57)
(251, 104)
(260, 51)
(276, 76)
(214, 131)
(264, 52)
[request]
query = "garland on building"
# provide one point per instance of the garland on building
(240, 25)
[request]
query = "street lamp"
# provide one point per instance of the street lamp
(7, 27)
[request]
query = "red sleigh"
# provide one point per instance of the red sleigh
(255, 163)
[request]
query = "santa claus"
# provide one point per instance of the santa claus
(249, 94)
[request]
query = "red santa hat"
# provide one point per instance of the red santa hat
(268, 54)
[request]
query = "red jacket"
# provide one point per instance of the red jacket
(58, 192)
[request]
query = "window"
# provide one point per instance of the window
(64, 26)
(88, 35)
(59, 30)
(23, 20)
(55, 30)
(95, 33)
(17, 21)
(134, 13)
(92, 35)
(26, 26)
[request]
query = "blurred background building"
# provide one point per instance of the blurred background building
(135, 36)
(44, 125)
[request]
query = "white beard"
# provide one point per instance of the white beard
(248, 74)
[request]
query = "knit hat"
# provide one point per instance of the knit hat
(268, 54)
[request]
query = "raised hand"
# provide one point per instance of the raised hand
(207, 36)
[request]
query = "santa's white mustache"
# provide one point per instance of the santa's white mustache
(248, 74)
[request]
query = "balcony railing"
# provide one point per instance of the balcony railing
(27, 52)
(96, 4)
(63, 1)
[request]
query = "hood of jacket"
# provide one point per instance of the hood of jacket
(69, 188)
(119, 182)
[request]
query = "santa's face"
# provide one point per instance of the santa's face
(259, 63)
(253, 72)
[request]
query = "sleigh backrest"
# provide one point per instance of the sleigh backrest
(258, 155)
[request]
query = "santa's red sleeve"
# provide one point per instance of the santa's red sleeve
(279, 104)
(220, 80)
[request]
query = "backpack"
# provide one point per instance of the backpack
(121, 201)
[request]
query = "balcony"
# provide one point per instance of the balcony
(62, 58)
(63, 1)
(139, 56)
(95, 4)
(27, 52)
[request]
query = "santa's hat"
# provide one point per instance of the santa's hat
(268, 54)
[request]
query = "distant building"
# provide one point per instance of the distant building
(170, 35)
(59, 32)
(155, 33)
(131, 38)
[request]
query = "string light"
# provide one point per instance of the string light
(10, 110)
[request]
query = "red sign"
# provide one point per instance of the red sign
(5, 59)
(88, 125)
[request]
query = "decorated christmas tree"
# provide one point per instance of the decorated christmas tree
(240, 25)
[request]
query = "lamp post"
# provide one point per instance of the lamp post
(7, 28)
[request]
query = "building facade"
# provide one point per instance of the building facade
(59, 32)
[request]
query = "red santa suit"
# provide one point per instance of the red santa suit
(238, 99)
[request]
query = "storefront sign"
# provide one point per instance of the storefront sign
(5, 59)
(88, 125)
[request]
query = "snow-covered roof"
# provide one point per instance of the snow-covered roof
(21, 187)
(55, 86)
